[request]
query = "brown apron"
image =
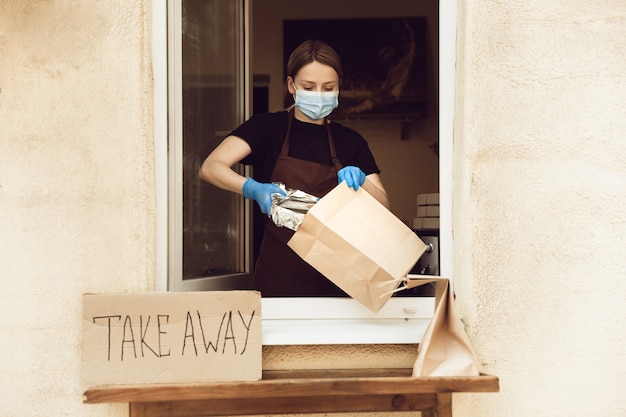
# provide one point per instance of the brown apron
(279, 271)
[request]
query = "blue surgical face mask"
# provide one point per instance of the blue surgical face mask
(316, 104)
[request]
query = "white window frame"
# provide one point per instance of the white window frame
(328, 321)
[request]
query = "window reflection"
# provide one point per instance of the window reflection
(213, 227)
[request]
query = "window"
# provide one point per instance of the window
(323, 320)
(207, 226)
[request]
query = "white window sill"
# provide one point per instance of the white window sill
(402, 320)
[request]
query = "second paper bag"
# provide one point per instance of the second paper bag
(445, 348)
(358, 244)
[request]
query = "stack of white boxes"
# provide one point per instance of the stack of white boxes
(426, 225)
(427, 212)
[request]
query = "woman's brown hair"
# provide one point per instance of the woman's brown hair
(313, 50)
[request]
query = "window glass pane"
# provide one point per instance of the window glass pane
(213, 225)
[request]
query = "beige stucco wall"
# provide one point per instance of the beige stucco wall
(539, 220)
(76, 186)
(539, 214)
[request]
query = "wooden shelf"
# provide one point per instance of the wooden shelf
(301, 391)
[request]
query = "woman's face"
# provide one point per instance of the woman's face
(314, 77)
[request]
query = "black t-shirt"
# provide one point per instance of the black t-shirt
(265, 133)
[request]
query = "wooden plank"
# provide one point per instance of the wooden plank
(302, 391)
(336, 373)
(444, 405)
(308, 404)
(291, 387)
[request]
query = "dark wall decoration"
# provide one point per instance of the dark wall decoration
(385, 64)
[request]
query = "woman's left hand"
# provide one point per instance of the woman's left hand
(353, 176)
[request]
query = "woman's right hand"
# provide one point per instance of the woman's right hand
(261, 193)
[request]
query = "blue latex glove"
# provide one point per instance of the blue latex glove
(261, 193)
(353, 176)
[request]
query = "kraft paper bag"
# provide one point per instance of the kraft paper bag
(358, 244)
(445, 349)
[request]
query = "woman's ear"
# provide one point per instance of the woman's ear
(290, 86)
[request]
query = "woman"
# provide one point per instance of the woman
(303, 150)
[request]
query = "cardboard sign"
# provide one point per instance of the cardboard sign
(358, 244)
(171, 337)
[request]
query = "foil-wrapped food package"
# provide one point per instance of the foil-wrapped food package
(289, 210)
